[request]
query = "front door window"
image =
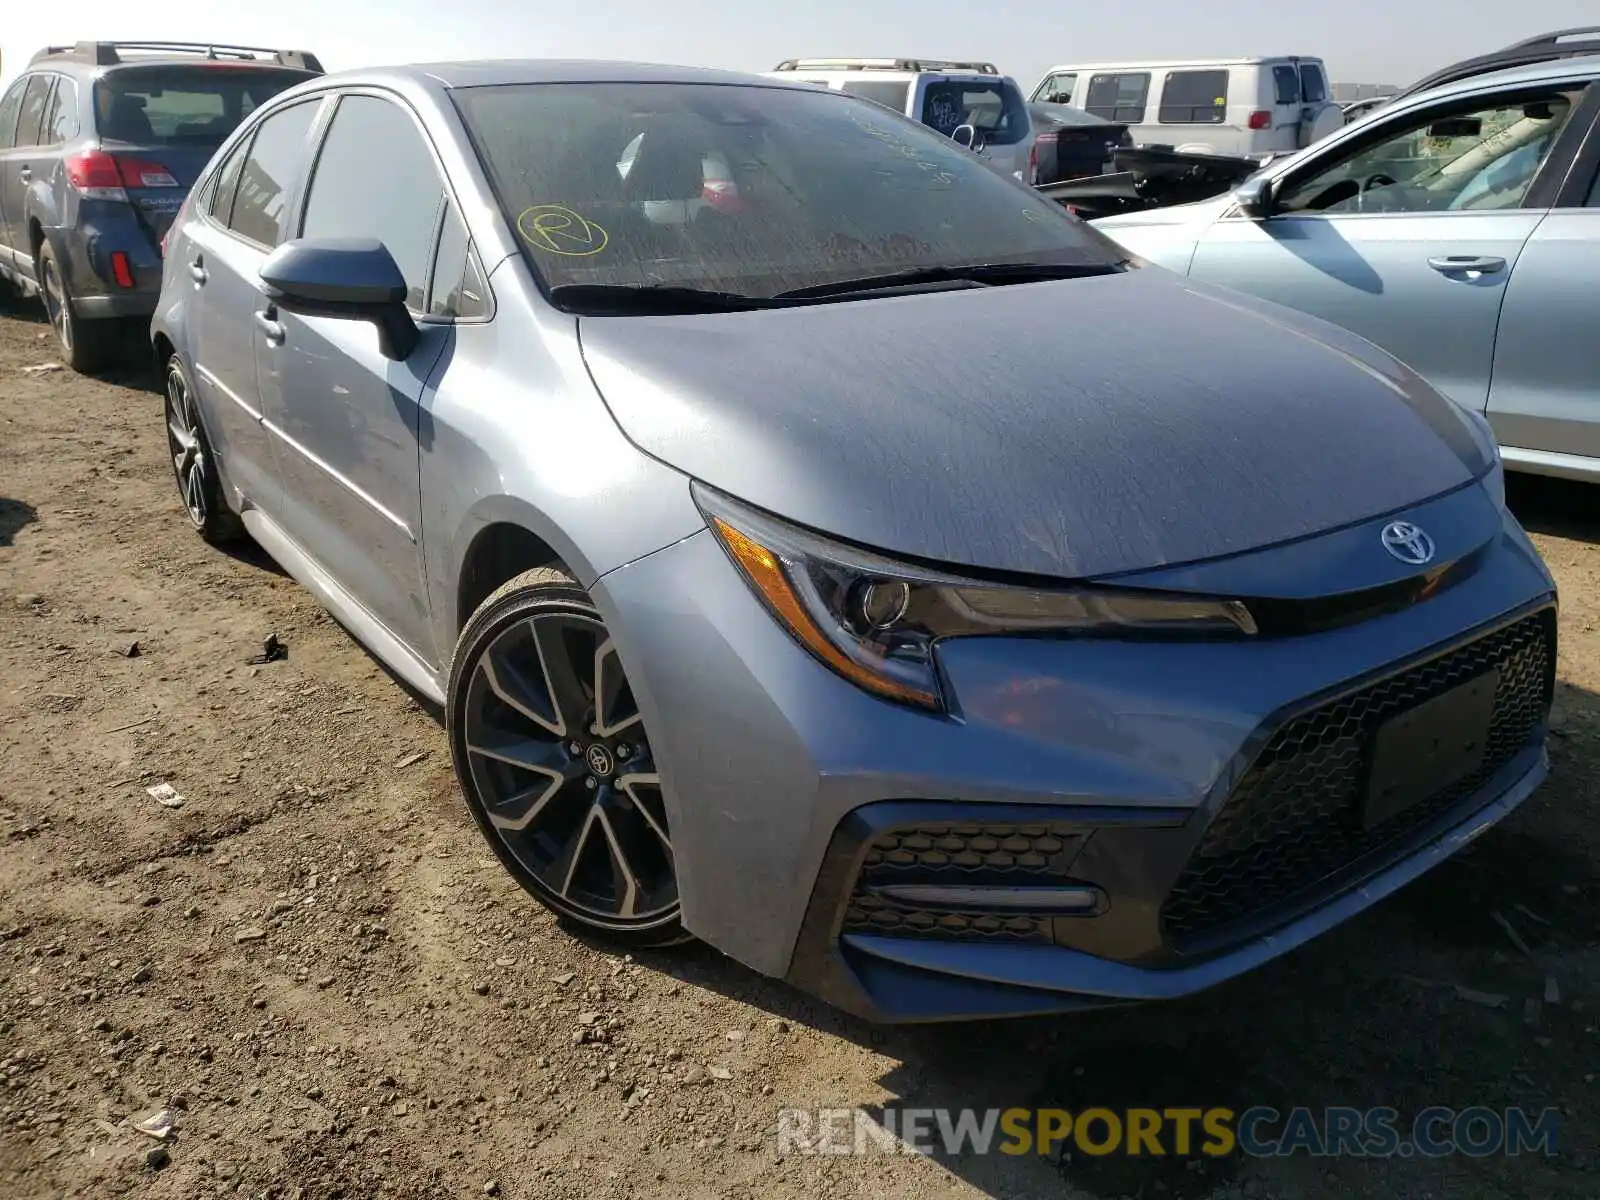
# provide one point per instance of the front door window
(1485, 158)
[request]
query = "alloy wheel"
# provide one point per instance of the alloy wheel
(187, 447)
(558, 754)
(55, 303)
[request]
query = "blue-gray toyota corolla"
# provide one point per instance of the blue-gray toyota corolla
(826, 548)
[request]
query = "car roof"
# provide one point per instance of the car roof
(1552, 70)
(1550, 47)
(1151, 64)
(100, 57)
(492, 72)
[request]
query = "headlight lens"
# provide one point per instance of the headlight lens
(1483, 433)
(875, 621)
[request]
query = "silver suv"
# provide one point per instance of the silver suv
(971, 102)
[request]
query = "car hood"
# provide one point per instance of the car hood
(1202, 212)
(1072, 429)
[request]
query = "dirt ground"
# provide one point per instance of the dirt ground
(315, 963)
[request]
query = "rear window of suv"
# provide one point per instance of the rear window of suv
(184, 105)
(997, 111)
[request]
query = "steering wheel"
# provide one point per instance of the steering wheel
(1378, 180)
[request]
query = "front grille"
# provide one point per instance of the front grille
(1000, 855)
(1291, 825)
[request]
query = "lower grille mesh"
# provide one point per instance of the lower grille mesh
(1291, 822)
(1001, 855)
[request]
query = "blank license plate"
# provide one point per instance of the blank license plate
(1427, 749)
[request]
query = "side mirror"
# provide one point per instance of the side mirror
(355, 279)
(1253, 198)
(965, 135)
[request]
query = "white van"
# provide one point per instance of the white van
(969, 101)
(1251, 107)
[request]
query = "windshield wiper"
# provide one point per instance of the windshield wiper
(627, 299)
(979, 274)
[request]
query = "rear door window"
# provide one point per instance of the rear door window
(1285, 85)
(34, 102)
(1119, 97)
(269, 174)
(61, 122)
(183, 106)
(220, 202)
(1194, 98)
(1313, 87)
(885, 92)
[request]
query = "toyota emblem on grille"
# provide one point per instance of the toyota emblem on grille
(1408, 543)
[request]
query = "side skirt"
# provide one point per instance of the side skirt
(346, 608)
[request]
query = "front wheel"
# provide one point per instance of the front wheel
(554, 759)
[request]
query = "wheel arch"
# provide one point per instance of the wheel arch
(500, 539)
(161, 348)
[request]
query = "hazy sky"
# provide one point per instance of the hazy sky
(1364, 41)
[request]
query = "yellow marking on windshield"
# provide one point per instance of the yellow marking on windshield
(558, 230)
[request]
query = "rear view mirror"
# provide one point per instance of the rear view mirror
(1456, 127)
(965, 135)
(355, 279)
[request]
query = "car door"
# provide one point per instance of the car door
(345, 417)
(18, 165)
(1544, 402)
(220, 253)
(1408, 234)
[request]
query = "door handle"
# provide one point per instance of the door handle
(197, 269)
(26, 173)
(271, 328)
(1467, 264)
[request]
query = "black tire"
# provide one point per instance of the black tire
(193, 465)
(567, 794)
(86, 346)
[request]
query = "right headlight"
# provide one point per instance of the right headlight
(875, 621)
(1494, 481)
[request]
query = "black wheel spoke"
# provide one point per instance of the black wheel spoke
(554, 638)
(615, 710)
(624, 882)
(566, 868)
(643, 793)
(520, 809)
(557, 755)
(505, 672)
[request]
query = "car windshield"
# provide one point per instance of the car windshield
(172, 106)
(748, 190)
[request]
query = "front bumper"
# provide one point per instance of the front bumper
(1100, 763)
